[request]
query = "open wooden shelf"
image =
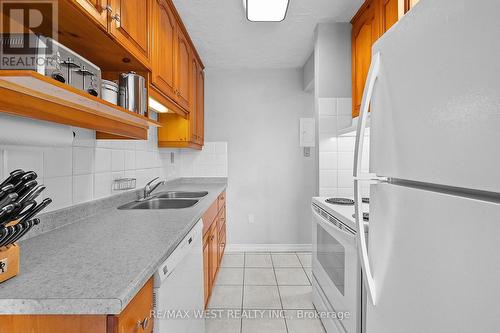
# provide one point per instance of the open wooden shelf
(30, 94)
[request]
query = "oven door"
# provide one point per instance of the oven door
(336, 268)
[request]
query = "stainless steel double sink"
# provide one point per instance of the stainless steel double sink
(167, 200)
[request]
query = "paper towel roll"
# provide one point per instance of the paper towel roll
(28, 132)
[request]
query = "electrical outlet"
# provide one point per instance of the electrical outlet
(251, 219)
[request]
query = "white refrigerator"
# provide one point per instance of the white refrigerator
(431, 262)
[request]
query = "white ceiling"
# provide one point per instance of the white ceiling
(225, 39)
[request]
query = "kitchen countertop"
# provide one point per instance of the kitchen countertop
(98, 264)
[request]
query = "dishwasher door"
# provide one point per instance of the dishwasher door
(178, 290)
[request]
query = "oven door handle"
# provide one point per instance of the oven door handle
(359, 177)
(321, 218)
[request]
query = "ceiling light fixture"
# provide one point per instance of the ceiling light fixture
(157, 106)
(266, 10)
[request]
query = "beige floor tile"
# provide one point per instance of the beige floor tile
(305, 259)
(261, 297)
(259, 277)
(258, 260)
(233, 260)
(230, 276)
(226, 297)
(223, 325)
(296, 297)
(286, 260)
(291, 277)
(263, 326)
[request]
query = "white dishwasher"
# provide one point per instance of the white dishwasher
(178, 287)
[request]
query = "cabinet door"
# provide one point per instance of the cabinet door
(137, 315)
(206, 268)
(183, 65)
(96, 9)
(390, 13)
(364, 34)
(130, 25)
(214, 252)
(222, 241)
(193, 114)
(200, 105)
(163, 53)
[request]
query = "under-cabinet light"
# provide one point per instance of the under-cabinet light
(266, 10)
(157, 106)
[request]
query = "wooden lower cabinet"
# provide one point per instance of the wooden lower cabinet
(214, 244)
(135, 318)
(206, 267)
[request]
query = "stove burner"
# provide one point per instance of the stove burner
(340, 201)
(366, 200)
(366, 216)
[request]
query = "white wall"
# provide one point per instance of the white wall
(257, 112)
(332, 59)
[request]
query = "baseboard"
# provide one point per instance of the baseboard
(269, 248)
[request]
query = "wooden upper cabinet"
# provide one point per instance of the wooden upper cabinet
(200, 105)
(130, 24)
(390, 13)
(164, 41)
(183, 65)
(193, 115)
(364, 33)
(96, 9)
(409, 4)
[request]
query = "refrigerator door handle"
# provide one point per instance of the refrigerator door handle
(359, 177)
(363, 116)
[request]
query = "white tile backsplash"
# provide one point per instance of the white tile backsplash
(85, 171)
(83, 188)
(211, 161)
(327, 124)
(346, 161)
(117, 160)
(102, 185)
(102, 160)
(24, 158)
(327, 106)
(328, 161)
(344, 107)
(60, 190)
(58, 162)
(83, 160)
(336, 153)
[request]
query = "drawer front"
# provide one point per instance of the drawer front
(136, 318)
(221, 201)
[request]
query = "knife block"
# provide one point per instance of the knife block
(9, 262)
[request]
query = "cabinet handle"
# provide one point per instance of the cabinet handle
(109, 9)
(143, 324)
(116, 17)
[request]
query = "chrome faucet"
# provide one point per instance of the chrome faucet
(148, 189)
